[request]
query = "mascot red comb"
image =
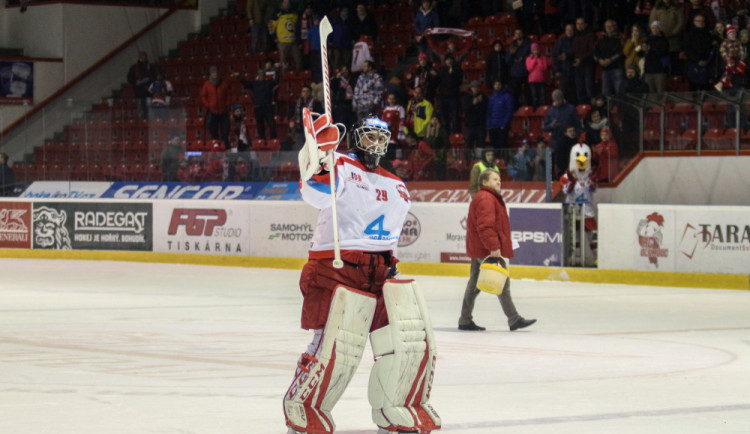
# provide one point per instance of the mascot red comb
(578, 184)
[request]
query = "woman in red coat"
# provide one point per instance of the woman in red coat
(488, 234)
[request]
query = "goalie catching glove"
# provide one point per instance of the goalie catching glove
(322, 137)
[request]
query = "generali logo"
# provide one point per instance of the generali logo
(15, 222)
(650, 238)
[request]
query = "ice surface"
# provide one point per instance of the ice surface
(105, 347)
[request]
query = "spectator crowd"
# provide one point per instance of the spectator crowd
(459, 88)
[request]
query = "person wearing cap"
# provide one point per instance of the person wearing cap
(633, 83)
(734, 67)
(559, 117)
(669, 15)
(424, 75)
(656, 52)
(520, 167)
(536, 64)
(475, 116)
(214, 98)
(608, 53)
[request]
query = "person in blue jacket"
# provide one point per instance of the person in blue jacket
(500, 111)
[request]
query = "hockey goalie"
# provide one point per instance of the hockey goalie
(344, 306)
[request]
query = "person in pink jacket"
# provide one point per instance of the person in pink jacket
(536, 64)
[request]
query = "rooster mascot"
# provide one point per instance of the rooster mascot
(578, 184)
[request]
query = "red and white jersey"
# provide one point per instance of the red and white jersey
(361, 52)
(394, 115)
(580, 191)
(371, 207)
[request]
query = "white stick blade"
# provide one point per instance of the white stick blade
(325, 29)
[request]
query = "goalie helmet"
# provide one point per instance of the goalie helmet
(371, 136)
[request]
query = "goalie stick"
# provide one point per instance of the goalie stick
(325, 31)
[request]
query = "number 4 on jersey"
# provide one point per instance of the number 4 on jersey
(376, 229)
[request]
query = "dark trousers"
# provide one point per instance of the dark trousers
(498, 139)
(584, 76)
(471, 293)
(263, 117)
(537, 94)
(449, 108)
(568, 85)
(218, 127)
(474, 136)
(518, 87)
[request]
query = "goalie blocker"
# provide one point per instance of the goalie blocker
(401, 378)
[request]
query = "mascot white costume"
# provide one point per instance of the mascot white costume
(579, 186)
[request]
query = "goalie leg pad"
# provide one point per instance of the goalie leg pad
(324, 372)
(405, 354)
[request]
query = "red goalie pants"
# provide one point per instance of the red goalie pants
(365, 271)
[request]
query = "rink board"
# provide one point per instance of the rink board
(675, 238)
(637, 243)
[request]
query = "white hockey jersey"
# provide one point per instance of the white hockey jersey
(361, 53)
(371, 207)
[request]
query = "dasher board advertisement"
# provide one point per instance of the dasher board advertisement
(205, 227)
(183, 191)
(15, 225)
(282, 228)
(92, 226)
(690, 239)
(437, 233)
(65, 190)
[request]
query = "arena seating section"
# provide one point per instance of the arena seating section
(113, 143)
